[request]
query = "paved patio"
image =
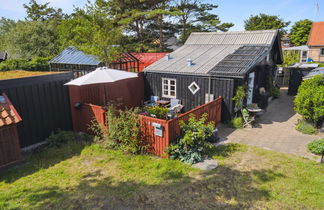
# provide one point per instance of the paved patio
(274, 130)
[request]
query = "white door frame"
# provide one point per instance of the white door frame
(250, 88)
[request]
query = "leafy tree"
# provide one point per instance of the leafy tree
(42, 12)
(94, 31)
(265, 22)
(32, 38)
(300, 32)
(5, 26)
(290, 57)
(197, 16)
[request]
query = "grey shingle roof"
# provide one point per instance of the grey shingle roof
(208, 49)
(71, 55)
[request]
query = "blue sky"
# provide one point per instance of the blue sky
(235, 11)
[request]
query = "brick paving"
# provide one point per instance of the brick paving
(274, 130)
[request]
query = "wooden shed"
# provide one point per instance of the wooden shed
(213, 64)
(101, 87)
(9, 140)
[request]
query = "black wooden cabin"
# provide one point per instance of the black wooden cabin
(213, 64)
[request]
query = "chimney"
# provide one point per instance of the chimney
(168, 57)
(189, 62)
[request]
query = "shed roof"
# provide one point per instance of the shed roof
(8, 113)
(219, 53)
(316, 37)
(71, 55)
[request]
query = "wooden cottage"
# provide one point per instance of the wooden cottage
(212, 64)
(9, 140)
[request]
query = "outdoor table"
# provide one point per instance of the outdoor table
(253, 111)
(162, 102)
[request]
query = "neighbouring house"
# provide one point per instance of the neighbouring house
(316, 42)
(301, 50)
(3, 56)
(99, 88)
(9, 141)
(212, 64)
(285, 41)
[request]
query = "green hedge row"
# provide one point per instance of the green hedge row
(35, 64)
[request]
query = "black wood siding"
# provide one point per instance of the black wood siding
(219, 87)
(43, 104)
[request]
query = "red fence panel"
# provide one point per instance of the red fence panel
(157, 144)
(170, 128)
(213, 109)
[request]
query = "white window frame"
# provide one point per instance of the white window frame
(168, 90)
(192, 84)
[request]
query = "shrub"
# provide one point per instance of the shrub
(123, 130)
(158, 112)
(60, 138)
(237, 122)
(305, 127)
(275, 92)
(192, 146)
(240, 95)
(35, 64)
(309, 101)
(317, 147)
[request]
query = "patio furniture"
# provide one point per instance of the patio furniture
(152, 102)
(175, 107)
(248, 119)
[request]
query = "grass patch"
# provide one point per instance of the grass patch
(82, 176)
(14, 74)
(305, 127)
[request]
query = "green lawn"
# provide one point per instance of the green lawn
(78, 176)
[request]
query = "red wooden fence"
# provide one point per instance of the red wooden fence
(170, 128)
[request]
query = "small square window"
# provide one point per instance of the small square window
(194, 88)
(169, 88)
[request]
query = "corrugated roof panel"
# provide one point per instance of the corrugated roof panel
(228, 53)
(71, 55)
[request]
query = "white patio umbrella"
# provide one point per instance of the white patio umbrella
(102, 75)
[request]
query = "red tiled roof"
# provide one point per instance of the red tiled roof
(8, 113)
(316, 37)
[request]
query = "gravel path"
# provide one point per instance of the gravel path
(274, 130)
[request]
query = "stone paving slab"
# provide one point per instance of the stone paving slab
(275, 130)
(206, 165)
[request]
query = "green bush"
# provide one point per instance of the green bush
(60, 138)
(305, 127)
(240, 95)
(309, 101)
(192, 146)
(35, 64)
(237, 122)
(123, 132)
(275, 92)
(158, 112)
(317, 147)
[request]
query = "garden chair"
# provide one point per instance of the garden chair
(248, 119)
(152, 102)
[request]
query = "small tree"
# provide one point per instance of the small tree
(317, 147)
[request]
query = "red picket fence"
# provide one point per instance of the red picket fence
(158, 142)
